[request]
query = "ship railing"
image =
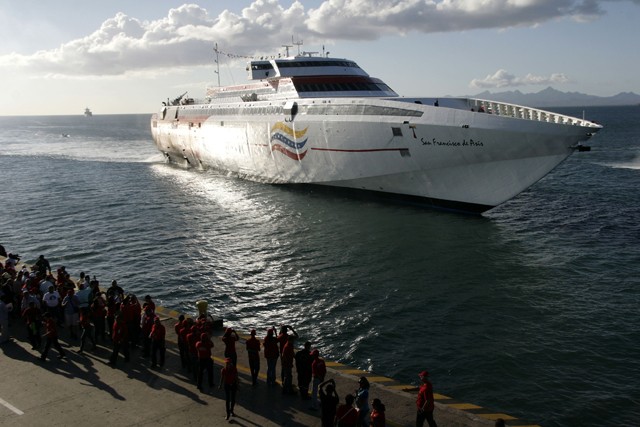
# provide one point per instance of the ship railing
(526, 113)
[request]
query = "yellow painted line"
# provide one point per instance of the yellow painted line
(403, 387)
(379, 379)
(438, 396)
(494, 417)
(353, 371)
(330, 364)
(463, 406)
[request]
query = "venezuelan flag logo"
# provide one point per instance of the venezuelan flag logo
(287, 141)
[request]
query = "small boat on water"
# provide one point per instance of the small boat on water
(87, 112)
(312, 119)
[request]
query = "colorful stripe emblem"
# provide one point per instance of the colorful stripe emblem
(288, 141)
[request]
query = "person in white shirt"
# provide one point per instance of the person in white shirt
(51, 301)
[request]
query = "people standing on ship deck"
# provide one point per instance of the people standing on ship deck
(253, 353)
(424, 402)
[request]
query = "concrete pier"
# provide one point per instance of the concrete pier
(82, 389)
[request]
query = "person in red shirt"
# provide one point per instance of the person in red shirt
(229, 338)
(424, 402)
(148, 303)
(347, 415)
(271, 353)
(318, 372)
(377, 414)
(158, 347)
(51, 334)
(205, 362)
(31, 317)
(253, 351)
(146, 324)
(283, 338)
(287, 366)
(86, 329)
(193, 336)
(120, 339)
(229, 377)
(182, 344)
(98, 312)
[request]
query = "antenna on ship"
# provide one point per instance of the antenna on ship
(287, 46)
(298, 43)
(217, 71)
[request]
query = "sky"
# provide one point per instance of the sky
(123, 56)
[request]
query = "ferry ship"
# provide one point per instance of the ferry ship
(312, 119)
(87, 112)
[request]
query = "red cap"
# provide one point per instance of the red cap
(423, 374)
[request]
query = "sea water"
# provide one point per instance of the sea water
(532, 309)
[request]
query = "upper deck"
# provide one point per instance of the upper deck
(303, 66)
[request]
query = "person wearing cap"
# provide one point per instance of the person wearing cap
(229, 378)
(271, 353)
(253, 351)
(424, 402)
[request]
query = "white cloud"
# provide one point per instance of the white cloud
(186, 36)
(503, 78)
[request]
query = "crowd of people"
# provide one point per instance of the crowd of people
(46, 303)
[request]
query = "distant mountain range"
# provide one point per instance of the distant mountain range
(551, 97)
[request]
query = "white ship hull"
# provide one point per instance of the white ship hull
(447, 156)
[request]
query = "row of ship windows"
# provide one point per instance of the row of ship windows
(268, 66)
(367, 110)
(341, 87)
